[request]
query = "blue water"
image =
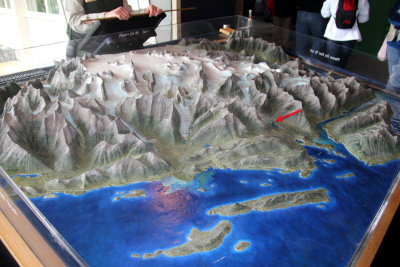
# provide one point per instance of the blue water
(26, 175)
(106, 232)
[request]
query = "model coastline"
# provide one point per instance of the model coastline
(172, 111)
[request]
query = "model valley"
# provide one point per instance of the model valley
(179, 110)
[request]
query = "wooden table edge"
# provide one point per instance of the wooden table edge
(20, 236)
(16, 245)
(374, 242)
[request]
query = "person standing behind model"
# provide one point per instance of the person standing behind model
(282, 12)
(393, 56)
(342, 41)
(310, 23)
(77, 11)
(393, 39)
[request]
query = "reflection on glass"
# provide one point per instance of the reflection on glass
(5, 3)
(52, 6)
(48, 6)
(394, 85)
(36, 5)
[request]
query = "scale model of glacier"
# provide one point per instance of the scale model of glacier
(178, 110)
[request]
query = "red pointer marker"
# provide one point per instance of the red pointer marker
(280, 118)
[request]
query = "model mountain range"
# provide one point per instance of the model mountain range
(179, 110)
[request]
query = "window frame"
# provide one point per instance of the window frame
(46, 7)
(7, 5)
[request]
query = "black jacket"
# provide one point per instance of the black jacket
(313, 6)
(96, 6)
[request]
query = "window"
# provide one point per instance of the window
(5, 3)
(52, 5)
(45, 6)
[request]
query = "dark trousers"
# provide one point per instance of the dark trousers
(394, 85)
(310, 29)
(393, 56)
(339, 52)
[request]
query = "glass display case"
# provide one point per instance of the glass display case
(207, 145)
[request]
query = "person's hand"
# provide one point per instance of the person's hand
(120, 13)
(153, 11)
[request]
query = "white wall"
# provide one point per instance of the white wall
(9, 33)
(54, 25)
(21, 28)
(166, 32)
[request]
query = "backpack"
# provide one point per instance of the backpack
(346, 14)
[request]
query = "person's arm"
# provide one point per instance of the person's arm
(326, 9)
(153, 11)
(75, 13)
(124, 12)
(363, 11)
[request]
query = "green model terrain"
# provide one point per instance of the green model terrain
(177, 111)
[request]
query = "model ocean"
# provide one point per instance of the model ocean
(201, 170)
